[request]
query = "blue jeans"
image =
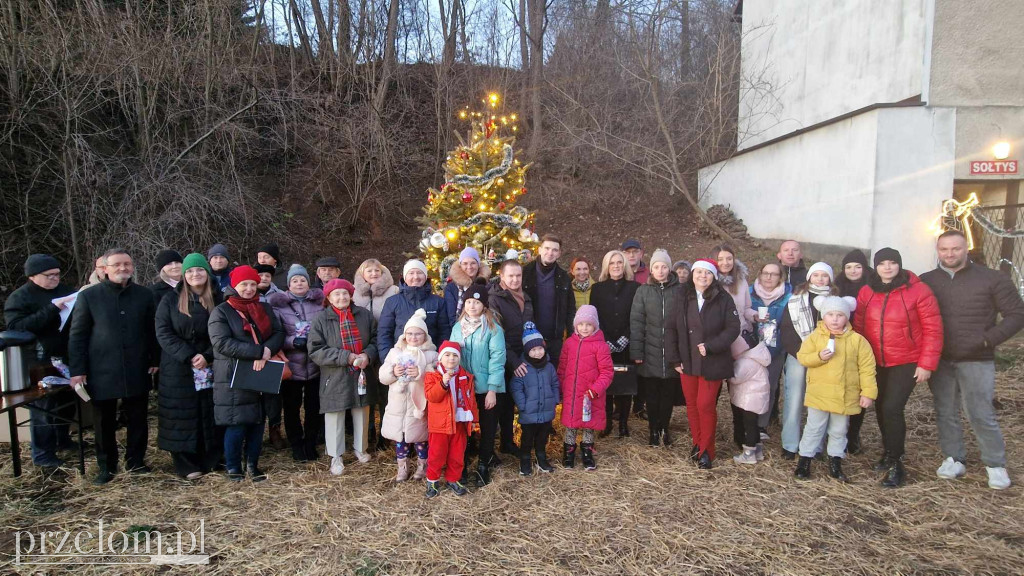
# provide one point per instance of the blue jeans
(234, 436)
(967, 386)
(793, 403)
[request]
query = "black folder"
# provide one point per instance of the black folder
(267, 380)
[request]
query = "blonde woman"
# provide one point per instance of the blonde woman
(612, 296)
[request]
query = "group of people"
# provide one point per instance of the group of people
(395, 364)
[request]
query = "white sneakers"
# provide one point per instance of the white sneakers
(998, 479)
(362, 456)
(951, 469)
(337, 467)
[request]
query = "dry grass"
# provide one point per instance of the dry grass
(644, 511)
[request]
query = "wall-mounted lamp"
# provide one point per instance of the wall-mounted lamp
(1001, 150)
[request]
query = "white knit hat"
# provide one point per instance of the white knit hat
(414, 265)
(821, 267)
(845, 305)
(418, 320)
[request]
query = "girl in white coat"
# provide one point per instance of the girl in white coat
(405, 418)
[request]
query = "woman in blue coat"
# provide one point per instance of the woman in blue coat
(413, 294)
(483, 355)
(536, 393)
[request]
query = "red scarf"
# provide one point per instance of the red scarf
(253, 312)
(350, 339)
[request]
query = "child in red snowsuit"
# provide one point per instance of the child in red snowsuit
(451, 412)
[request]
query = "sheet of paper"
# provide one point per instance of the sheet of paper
(65, 312)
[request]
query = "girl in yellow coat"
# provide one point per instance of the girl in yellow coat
(840, 381)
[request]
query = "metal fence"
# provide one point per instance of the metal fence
(996, 250)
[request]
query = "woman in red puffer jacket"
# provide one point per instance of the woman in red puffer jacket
(899, 316)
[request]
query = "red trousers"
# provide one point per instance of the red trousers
(701, 410)
(447, 449)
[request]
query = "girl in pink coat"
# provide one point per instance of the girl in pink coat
(585, 370)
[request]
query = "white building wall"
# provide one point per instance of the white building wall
(915, 158)
(876, 179)
(807, 61)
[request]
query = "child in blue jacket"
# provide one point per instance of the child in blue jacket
(536, 394)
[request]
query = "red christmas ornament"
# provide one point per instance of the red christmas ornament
(522, 190)
(490, 128)
(430, 198)
(501, 205)
(464, 155)
(467, 197)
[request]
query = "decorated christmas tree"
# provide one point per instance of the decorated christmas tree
(476, 206)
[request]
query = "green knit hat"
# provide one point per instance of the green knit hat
(194, 260)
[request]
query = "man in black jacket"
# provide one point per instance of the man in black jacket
(270, 255)
(112, 349)
(971, 297)
(550, 289)
(515, 307)
(35, 307)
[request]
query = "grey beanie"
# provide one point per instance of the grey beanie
(297, 270)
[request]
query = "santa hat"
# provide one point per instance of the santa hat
(706, 264)
(449, 346)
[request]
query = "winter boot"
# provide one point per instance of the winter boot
(458, 488)
(421, 469)
(525, 465)
(654, 437)
(255, 474)
(853, 445)
(759, 452)
(568, 455)
(403, 470)
(624, 428)
(542, 462)
(835, 469)
(483, 476)
(748, 456)
(803, 468)
(276, 439)
(433, 489)
(704, 461)
(666, 436)
(895, 476)
(883, 464)
(588, 457)
(607, 428)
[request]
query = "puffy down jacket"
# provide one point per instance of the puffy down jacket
(536, 394)
(837, 385)
(901, 321)
(585, 364)
(748, 388)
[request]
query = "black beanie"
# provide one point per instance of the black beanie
(888, 254)
(855, 257)
(271, 249)
(264, 268)
(165, 257)
(39, 263)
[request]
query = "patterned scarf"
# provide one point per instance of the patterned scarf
(581, 286)
(350, 339)
(470, 325)
(252, 311)
(801, 310)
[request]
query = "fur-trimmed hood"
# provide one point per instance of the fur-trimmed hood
(364, 289)
(740, 274)
(460, 278)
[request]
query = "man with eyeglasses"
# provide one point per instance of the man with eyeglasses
(35, 307)
(112, 350)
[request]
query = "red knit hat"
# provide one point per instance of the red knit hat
(242, 273)
(339, 284)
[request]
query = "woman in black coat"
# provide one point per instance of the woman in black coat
(185, 396)
(242, 329)
(612, 295)
(698, 335)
